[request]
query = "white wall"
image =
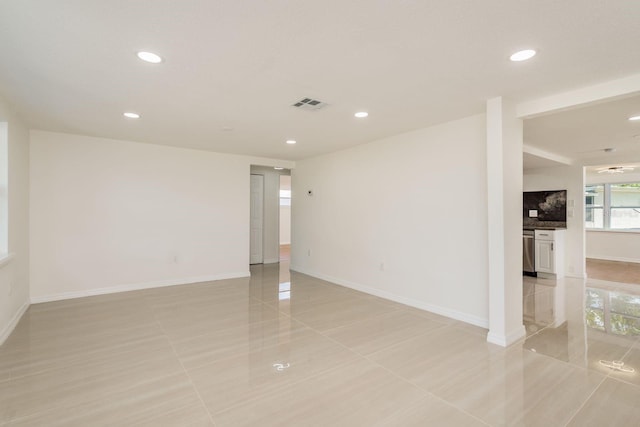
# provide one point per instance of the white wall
(414, 202)
(111, 215)
(613, 245)
(570, 178)
(14, 274)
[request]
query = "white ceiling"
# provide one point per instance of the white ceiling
(70, 65)
(531, 161)
(582, 134)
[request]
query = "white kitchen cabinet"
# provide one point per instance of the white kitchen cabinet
(545, 256)
(549, 257)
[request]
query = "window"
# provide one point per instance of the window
(613, 206)
(625, 206)
(594, 206)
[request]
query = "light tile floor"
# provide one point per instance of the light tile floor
(284, 349)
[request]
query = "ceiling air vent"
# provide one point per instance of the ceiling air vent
(309, 104)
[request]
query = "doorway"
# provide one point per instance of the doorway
(285, 217)
(270, 219)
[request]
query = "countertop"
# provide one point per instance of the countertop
(529, 227)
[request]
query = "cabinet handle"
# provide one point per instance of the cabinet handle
(551, 246)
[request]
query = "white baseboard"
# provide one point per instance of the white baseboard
(136, 287)
(271, 261)
(443, 311)
(508, 339)
(4, 334)
(614, 258)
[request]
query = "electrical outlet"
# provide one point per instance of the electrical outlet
(308, 252)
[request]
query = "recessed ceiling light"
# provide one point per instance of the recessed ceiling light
(634, 118)
(291, 141)
(150, 57)
(523, 55)
(277, 168)
(361, 114)
(132, 115)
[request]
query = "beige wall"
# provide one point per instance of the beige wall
(110, 215)
(14, 274)
(404, 217)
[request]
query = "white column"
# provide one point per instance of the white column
(504, 188)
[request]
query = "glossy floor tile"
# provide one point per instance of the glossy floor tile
(382, 331)
(337, 399)
(613, 404)
(285, 349)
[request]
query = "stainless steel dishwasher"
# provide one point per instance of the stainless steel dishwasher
(528, 252)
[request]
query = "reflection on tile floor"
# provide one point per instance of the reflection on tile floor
(286, 349)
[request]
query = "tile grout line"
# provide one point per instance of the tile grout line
(393, 373)
(324, 372)
(612, 371)
(45, 411)
(585, 401)
(271, 388)
(429, 393)
(185, 371)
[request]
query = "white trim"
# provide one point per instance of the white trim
(507, 340)
(271, 261)
(614, 258)
(136, 287)
(538, 152)
(4, 334)
(6, 258)
(443, 311)
(613, 230)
